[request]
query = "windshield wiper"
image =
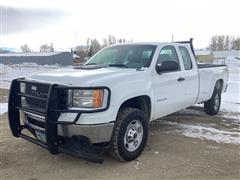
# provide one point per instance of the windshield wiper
(118, 65)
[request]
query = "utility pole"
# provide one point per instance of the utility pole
(172, 37)
(76, 37)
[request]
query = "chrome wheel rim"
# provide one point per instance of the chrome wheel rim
(133, 135)
(216, 102)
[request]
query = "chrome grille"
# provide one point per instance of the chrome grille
(36, 90)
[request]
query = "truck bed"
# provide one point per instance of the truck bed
(200, 66)
(209, 74)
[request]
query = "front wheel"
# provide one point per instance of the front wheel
(129, 135)
(212, 106)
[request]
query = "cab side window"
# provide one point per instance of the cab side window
(185, 57)
(168, 53)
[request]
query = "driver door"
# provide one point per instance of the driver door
(168, 86)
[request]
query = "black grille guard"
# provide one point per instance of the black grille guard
(54, 143)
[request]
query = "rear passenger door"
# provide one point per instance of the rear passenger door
(190, 75)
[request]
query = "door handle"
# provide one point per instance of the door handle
(181, 79)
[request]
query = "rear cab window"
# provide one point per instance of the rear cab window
(187, 62)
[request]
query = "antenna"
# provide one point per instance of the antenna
(172, 37)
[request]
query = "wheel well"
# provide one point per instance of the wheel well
(219, 84)
(140, 102)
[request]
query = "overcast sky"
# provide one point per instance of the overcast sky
(67, 23)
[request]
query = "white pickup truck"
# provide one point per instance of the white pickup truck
(107, 104)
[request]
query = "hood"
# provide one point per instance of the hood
(86, 77)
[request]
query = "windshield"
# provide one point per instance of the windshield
(129, 56)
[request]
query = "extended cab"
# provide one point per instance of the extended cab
(107, 104)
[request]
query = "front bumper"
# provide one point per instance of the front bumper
(98, 133)
(66, 137)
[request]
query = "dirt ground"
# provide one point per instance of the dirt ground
(3, 95)
(170, 154)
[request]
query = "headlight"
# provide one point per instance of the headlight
(88, 99)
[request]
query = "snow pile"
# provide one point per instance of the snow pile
(21, 70)
(4, 69)
(34, 65)
(231, 99)
(232, 62)
(3, 108)
(204, 132)
(210, 133)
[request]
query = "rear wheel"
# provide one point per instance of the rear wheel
(129, 135)
(212, 106)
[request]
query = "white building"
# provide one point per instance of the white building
(224, 54)
(218, 54)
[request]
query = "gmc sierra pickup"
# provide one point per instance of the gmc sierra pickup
(106, 104)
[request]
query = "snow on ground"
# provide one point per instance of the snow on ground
(8, 73)
(231, 99)
(3, 108)
(204, 131)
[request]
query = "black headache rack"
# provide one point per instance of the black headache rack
(190, 42)
(47, 102)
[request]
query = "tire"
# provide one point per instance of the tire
(130, 134)
(212, 106)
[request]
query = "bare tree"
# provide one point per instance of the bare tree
(122, 40)
(236, 44)
(51, 48)
(44, 48)
(226, 43)
(105, 42)
(47, 48)
(213, 43)
(220, 43)
(111, 39)
(94, 47)
(88, 42)
(25, 48)
(81, 51)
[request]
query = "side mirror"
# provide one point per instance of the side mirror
(167, 66)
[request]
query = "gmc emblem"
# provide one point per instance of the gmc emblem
(34, 88)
